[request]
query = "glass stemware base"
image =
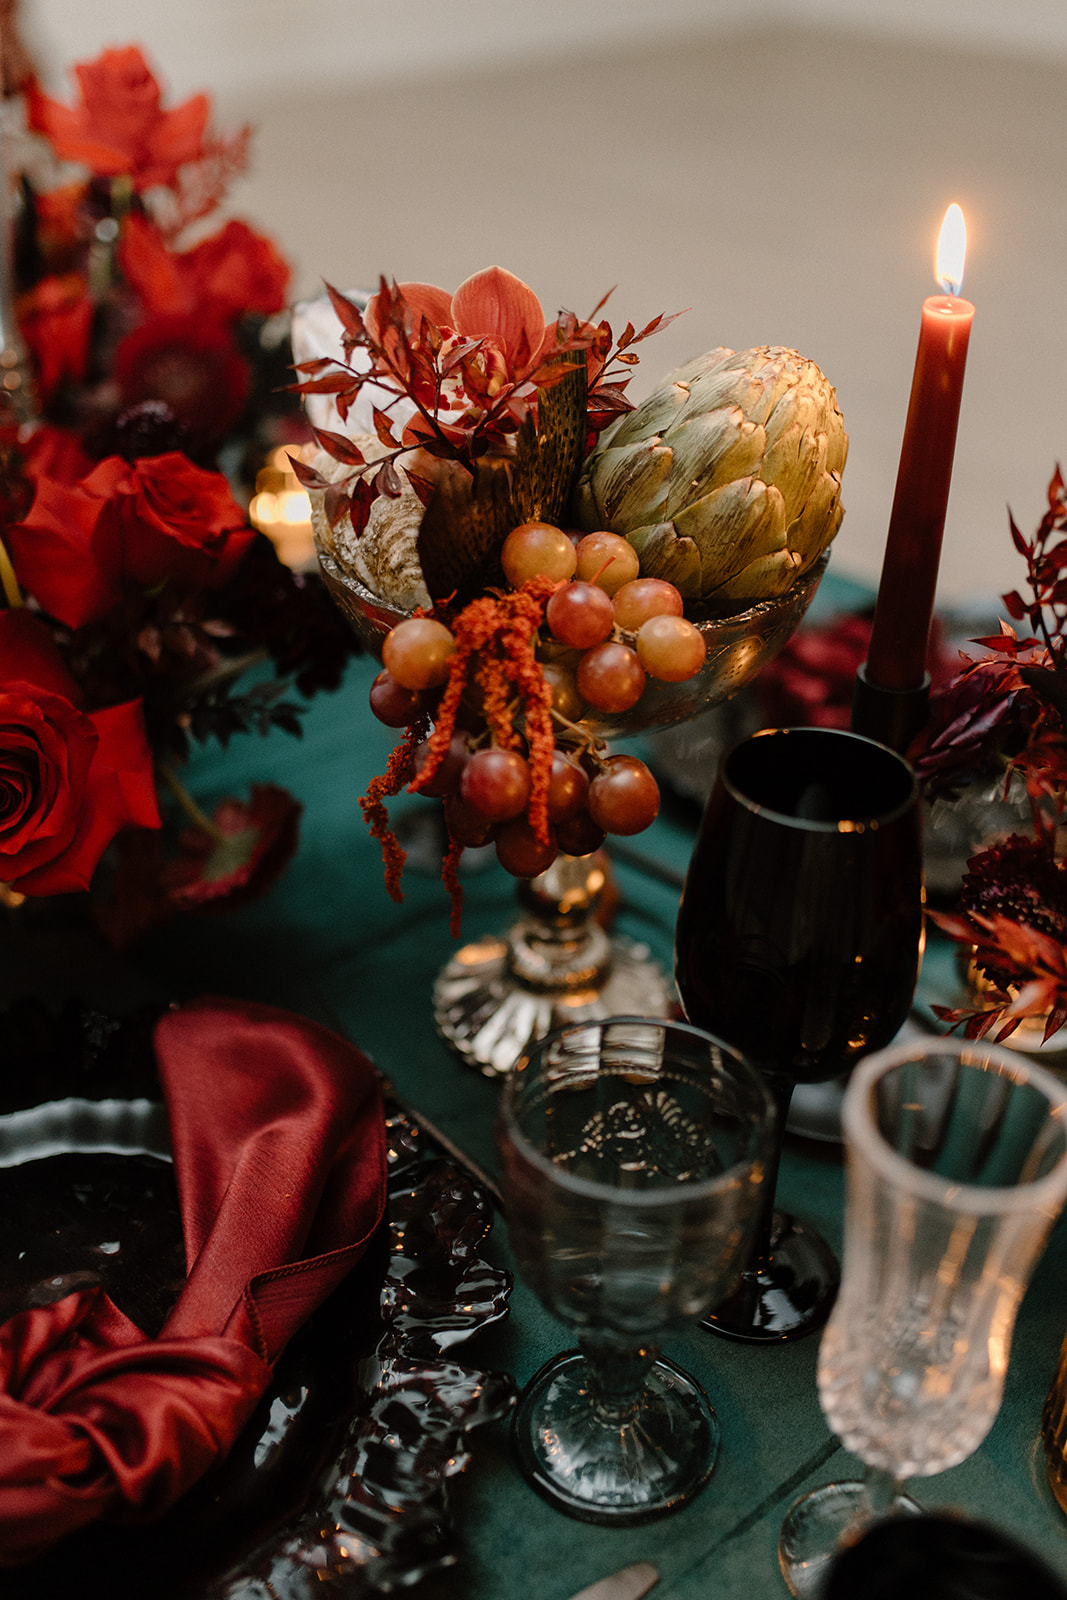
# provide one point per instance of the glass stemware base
(788, 1293)
(827, 1520)
(620, 1465)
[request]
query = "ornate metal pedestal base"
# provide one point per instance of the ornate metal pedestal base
(557, 965)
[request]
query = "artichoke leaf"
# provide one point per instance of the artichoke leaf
(795, 462)
(664, 555)
(762, 579)
(698, 367)
(733, 526)
(659, 411)
(732, 385)
(630, 484)
(821, 517)
(711, 449)
(798, 408)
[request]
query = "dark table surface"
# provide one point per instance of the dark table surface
(329, 943)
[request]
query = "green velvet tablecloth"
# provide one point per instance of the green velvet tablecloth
(328, 942)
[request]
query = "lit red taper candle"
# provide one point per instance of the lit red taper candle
(896, 658)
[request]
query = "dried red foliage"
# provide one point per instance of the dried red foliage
(1008, 710)
(1010, 705)
(470, 364)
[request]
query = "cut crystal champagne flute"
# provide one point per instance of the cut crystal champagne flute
(798, 942)
(633, 1153)
(957, 1168)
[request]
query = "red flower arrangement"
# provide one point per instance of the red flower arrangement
(1007, 712)
(136, 590)
(490, 410)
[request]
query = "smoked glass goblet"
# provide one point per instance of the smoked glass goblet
(798, 943)
(957, 1168)
(633, 1153)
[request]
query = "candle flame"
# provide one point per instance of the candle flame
(951, 251)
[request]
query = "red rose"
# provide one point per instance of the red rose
(52, 452)
(192, 365)
(55, 319)
(120, 126)
(68, 780)
(174, 522)
(64, 554)
(160, 520)
(232, 272)
(237, 270)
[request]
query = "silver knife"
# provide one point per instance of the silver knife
(629, 1584)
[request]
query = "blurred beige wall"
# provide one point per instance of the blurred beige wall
(782, 169)
(249, 44)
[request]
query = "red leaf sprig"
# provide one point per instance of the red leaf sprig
(1009, 708)
(462, 372)
(1038, 988)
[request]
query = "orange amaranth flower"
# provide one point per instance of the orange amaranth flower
(372, 804)
(495, 650)
(495, 638)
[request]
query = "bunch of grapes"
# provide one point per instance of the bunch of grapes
(605, 631)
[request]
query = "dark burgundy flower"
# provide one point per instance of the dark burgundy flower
(248, 849)
(1021, 880)
(192, 365)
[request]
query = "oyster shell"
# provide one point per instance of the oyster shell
(384, 556)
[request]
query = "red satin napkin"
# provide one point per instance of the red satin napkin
(279, 1151)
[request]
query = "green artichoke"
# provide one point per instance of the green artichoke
(727, 480)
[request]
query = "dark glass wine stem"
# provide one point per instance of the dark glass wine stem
(617, 1375)
(781, 1090)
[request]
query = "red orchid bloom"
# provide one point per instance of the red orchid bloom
(475, 354)
(119, 127)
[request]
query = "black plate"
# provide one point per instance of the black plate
(340, 1481)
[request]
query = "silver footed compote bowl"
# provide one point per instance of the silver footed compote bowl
(632, 1153)
(556, 965)
(957, 1168)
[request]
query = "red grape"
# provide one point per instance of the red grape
(446, 779)
(670, 648)
(607, 560)
(568, 786)
(579, 835)
(521, 852)
(624, 796)
(565, 697)
(496, 783)
(391, 703)
(416, 652)
(610, 677)
(580, 615)
(537, 549)
(646, 597)
(465, 825)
